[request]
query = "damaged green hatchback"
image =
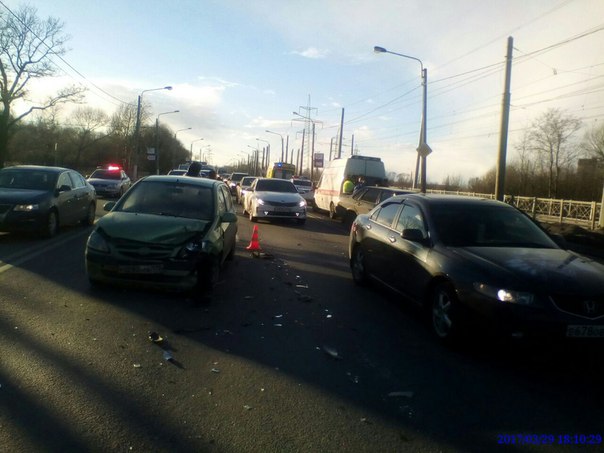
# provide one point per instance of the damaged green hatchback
(166, 232)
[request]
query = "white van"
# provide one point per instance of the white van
(329, 189)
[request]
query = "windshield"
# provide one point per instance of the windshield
(27, 179)
(487, 226)
(169, 199)
(106, 174)
(276, 185)
(303, 183)
(247, 181)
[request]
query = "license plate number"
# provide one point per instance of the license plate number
(281, 209)
(140, 269)
(585, 331)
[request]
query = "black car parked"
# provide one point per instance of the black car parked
(474, 262)
(41, 199)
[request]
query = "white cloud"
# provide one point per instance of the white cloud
(312, 52)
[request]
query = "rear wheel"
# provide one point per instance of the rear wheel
(357, 266)
(332, 211)
(90, 215)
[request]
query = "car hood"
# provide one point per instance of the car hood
(281, 197)
(151, 228)
(17, 196)
(551, 270)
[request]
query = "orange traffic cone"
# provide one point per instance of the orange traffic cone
(254, 243)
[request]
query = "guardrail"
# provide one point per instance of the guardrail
(584, 213)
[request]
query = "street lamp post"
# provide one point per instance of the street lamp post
(137, 127)
(191, 152)
(423, 150)
(157, 139)
(267, 156)
(255, 160)
(312, 149)
(271, 132)
(180, 130)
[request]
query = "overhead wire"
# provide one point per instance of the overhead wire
(60, 57)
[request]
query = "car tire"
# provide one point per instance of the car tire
(51, 225)
(332, 211)
(90, 215)
(444, 313)
(231, 255)
(348, 218)
(208, 276)
(358, 267)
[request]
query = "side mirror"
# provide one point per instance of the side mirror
(228, 217)
(413, 235)
(559, 240)
(108, 206)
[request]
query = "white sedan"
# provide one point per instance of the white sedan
(272, 198)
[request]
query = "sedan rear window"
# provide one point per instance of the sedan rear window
(169, 199)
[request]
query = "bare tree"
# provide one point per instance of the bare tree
(87, 121)
(27, 45)
(549, 136)
(593, 143)
(122, 126)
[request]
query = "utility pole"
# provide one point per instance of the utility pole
(341, 131)
(505, 119)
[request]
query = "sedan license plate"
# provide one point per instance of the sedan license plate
(140, 269)
(281, 209)
(577, 331)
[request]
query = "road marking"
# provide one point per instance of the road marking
(38, 251)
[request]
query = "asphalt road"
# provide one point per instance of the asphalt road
(287, 355)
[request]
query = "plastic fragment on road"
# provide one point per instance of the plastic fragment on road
(215, 370)
(248, 297)
(406, 394)
(407, 410)
(136, 365)
(168, 355)
(155, 337)
(332, 352)
(301, 286)
(247, 408)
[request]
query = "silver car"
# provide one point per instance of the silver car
(272, 198)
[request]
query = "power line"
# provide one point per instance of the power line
(60, 57)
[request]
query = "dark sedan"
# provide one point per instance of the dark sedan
(166, 232)
(476, 263)
(364, 200)
(40, 199)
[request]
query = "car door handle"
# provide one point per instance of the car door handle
(392, 239)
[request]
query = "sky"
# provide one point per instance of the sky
(239, 68)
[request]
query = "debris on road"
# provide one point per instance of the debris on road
(332, 352)
(406, 394)
(155, 337)
(215, 370)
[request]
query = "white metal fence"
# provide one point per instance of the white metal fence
(585, 213)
